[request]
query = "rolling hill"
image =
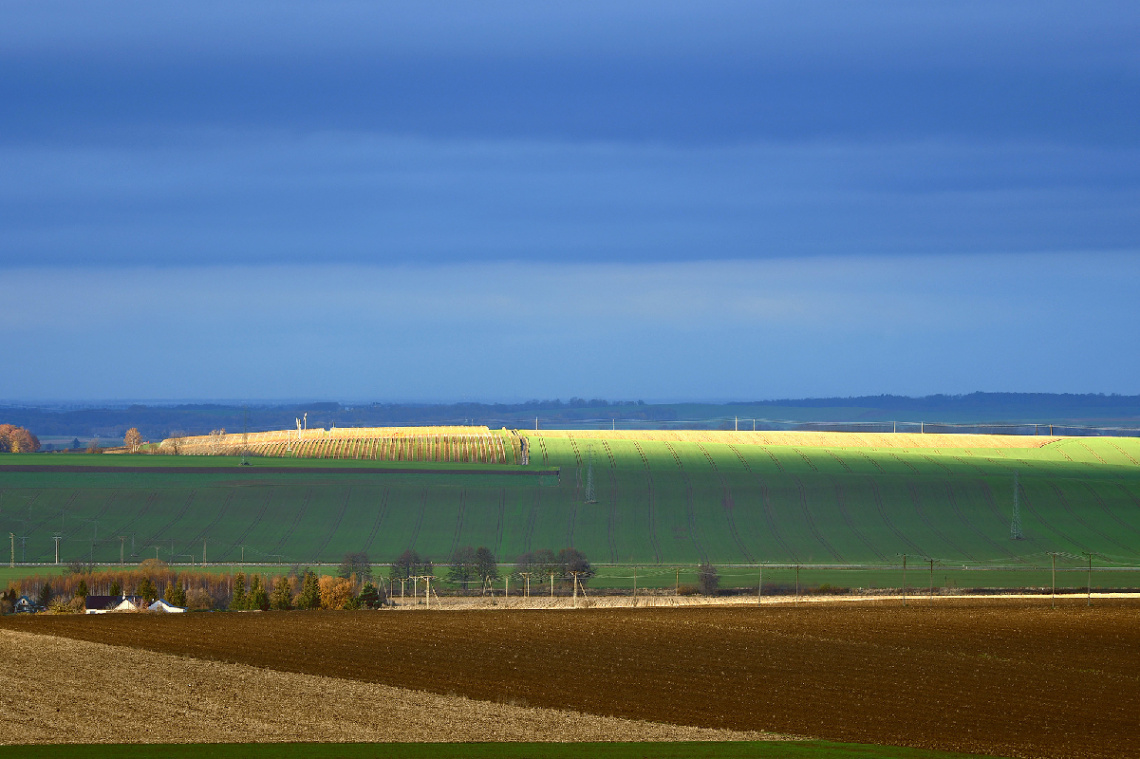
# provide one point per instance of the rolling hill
(621, 497)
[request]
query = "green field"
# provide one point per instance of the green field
(657, 504)
(711, 750)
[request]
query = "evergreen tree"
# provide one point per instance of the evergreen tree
(258, 597)
(81, 589)
(238, 600)
(282, 595)
(310, 597)
(116, 588)
(370, 597)
(175, 594)
(45, 595)
(147, 591)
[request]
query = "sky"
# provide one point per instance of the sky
(499, 201)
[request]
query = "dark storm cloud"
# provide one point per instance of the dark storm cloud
(674, 72)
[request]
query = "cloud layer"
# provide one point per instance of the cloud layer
(507, 199)
(744, 330)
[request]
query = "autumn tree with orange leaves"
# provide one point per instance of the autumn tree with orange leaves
(15, 439)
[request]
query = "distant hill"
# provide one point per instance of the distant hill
(158, 421)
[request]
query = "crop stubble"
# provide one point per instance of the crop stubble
(1011, 678)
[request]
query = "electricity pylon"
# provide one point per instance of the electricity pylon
(591, 496)
(1015, 532)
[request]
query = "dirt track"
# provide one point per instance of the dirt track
(1011, 678)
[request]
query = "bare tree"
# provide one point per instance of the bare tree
(132, 440)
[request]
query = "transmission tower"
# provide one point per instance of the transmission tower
(591, 496)
(1015, 532)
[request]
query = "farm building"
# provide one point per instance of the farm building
(104, 604)
(163, 606)
(25, 605)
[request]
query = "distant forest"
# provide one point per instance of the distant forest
(109, 423)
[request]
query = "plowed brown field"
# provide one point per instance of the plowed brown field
(1011, 678)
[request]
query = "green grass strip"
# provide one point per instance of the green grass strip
(703, 750)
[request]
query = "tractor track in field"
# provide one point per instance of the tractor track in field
(653, 541)
(776, 461)
(1093, 453)
(1027, 505)
(240, 540)
(335, 526)
(615, 499)
(177, 518)
(611, 526)
(841, 462)
(1128, 493)
(147, 504)
(807, 460)
(572, 523)
(812, 528)
(222, 511)
(1125, 454)
(531, 520)
(457, 534)
(296, 521)
(501, 526)
(577, 452)
(769, 516)
(899, 535)
(690, 507)
(873, 461)
(1068, 507)
(904, 462)
(31, 502)
(936, 463)
(916, 501)
(419, 519)
(1104, 507)
(381, 513)
(728, 503)
(964, 519)
(840, 499)
(609, 453)
(766, 506)
(977, 469)
(770, 519)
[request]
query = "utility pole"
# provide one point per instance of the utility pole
(904, 579)
(797, 584)
(1088, 555)
(760, 584)
(931, 580)
(122, 547)
(574, 576)
(1054, 555)
(56, 538)
(203, 554)
(677, 585)
(12, 560)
